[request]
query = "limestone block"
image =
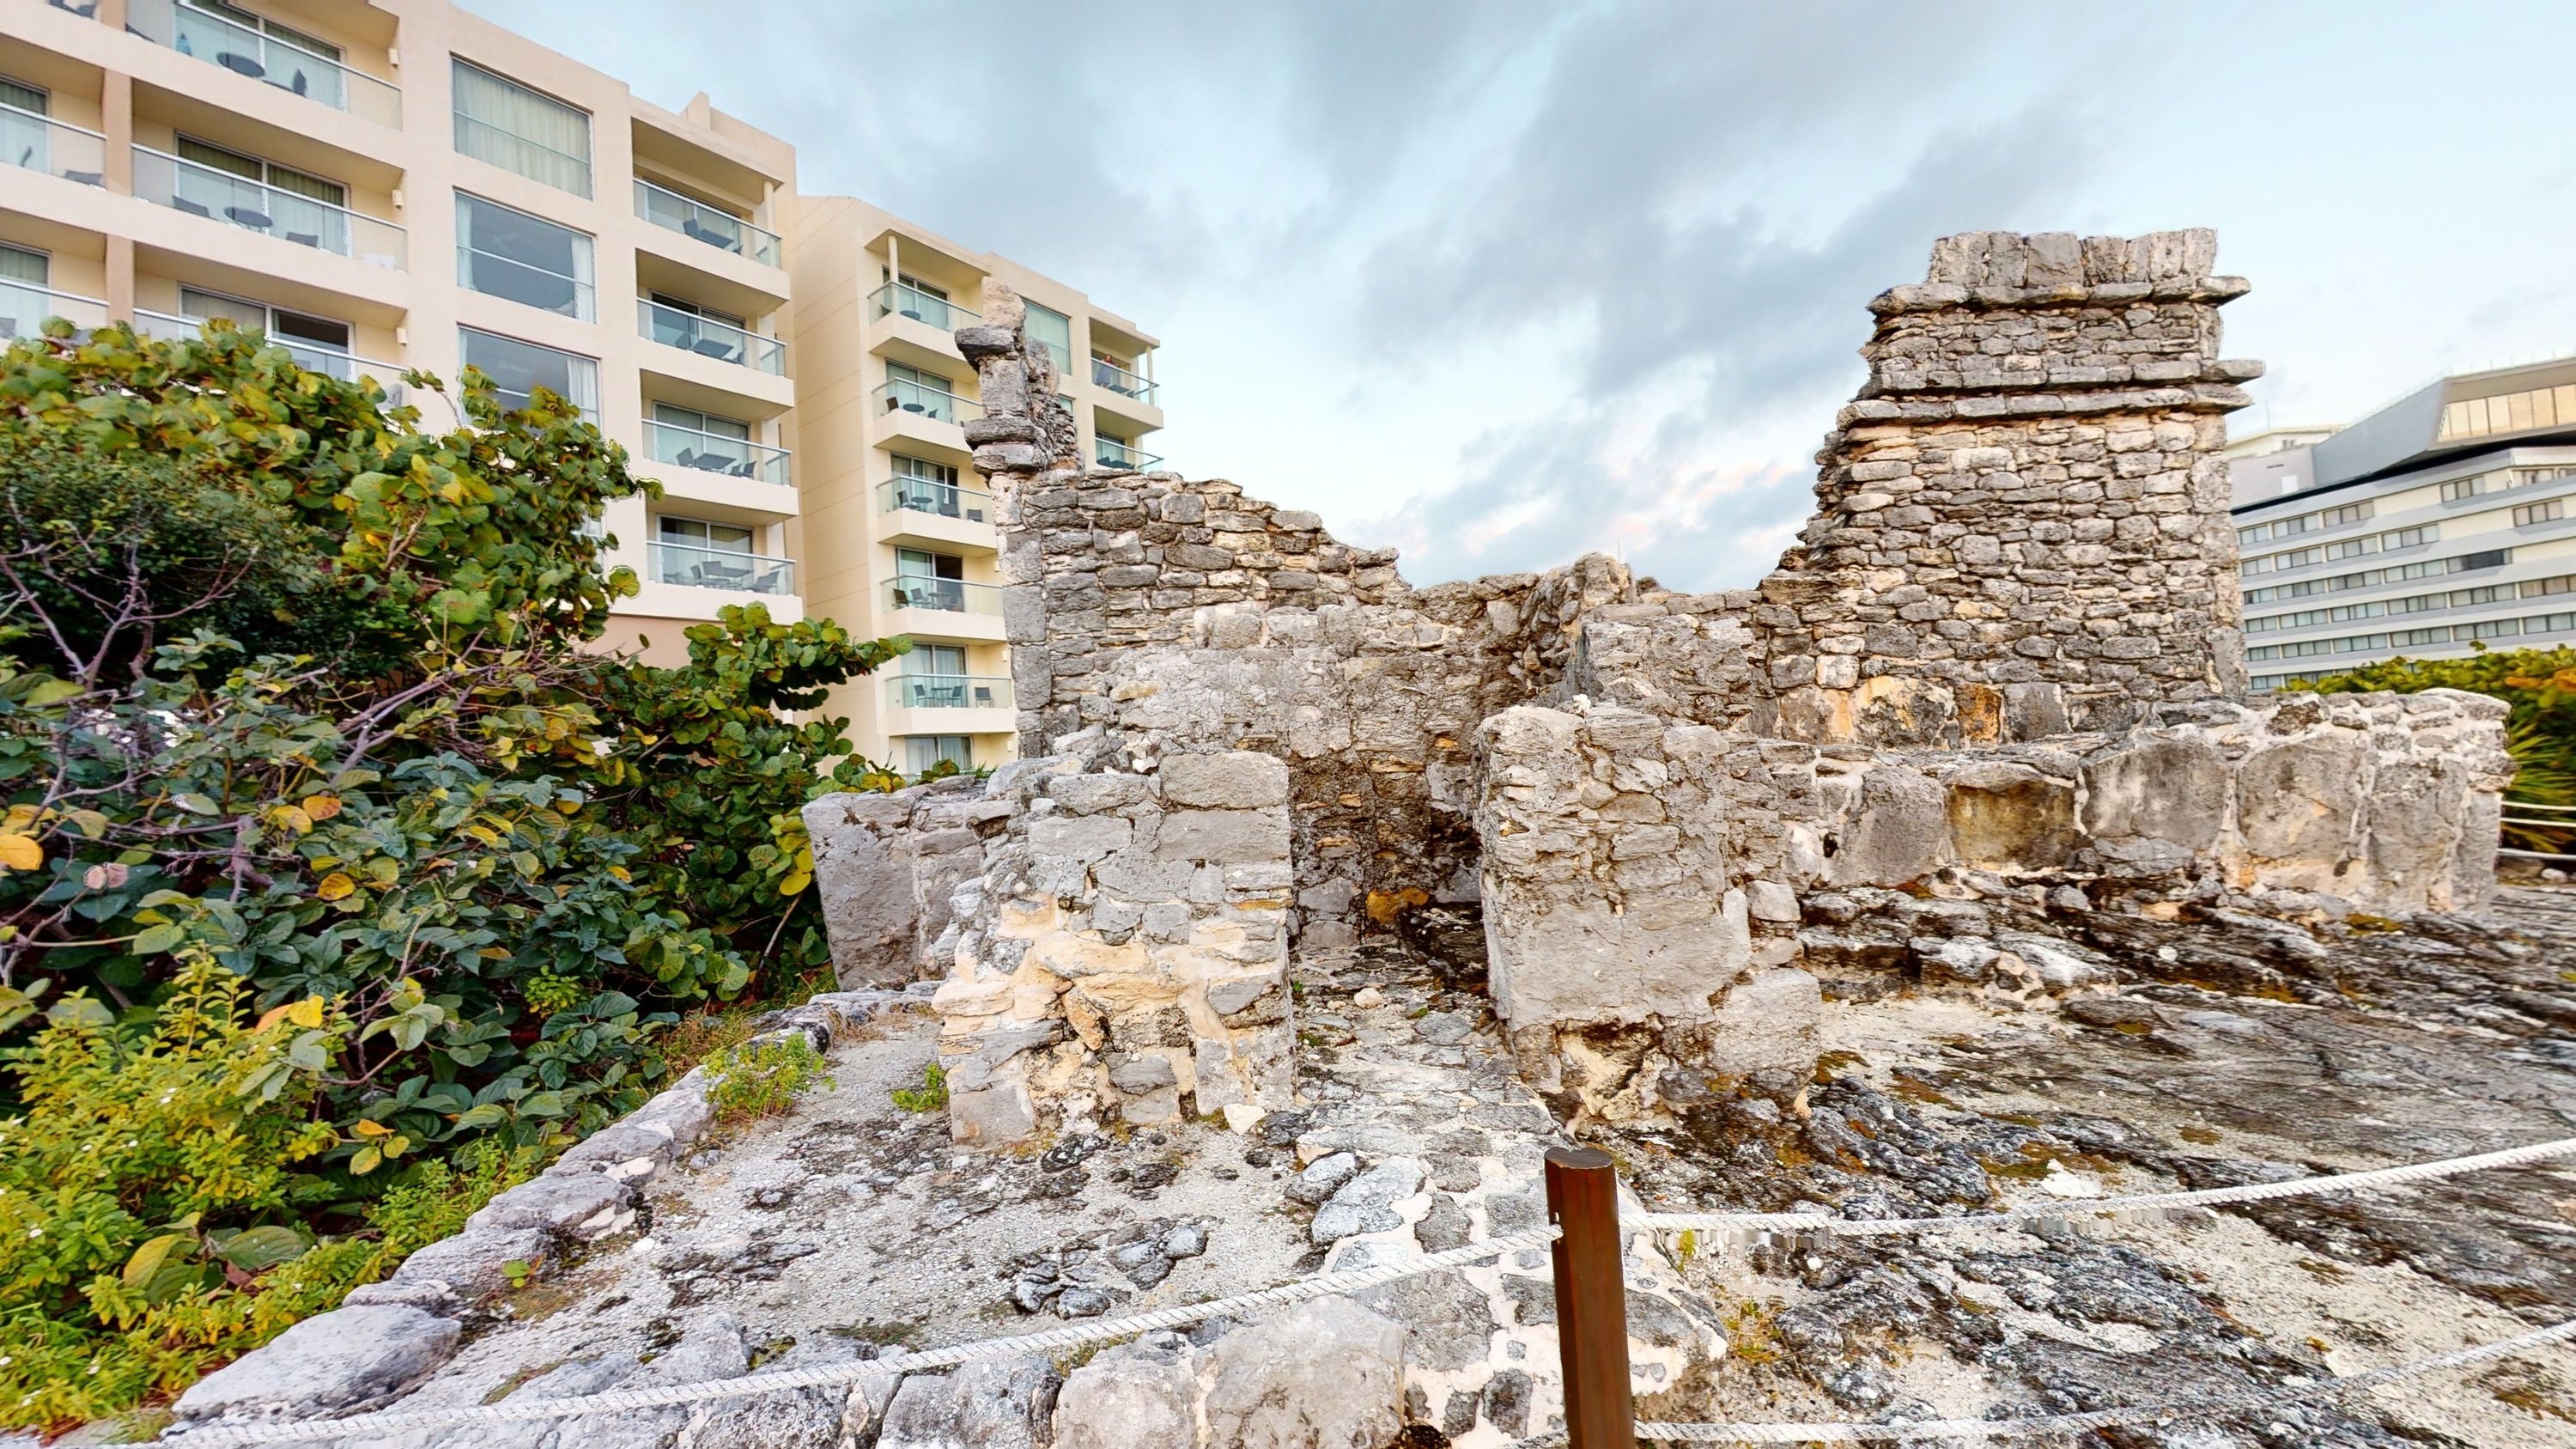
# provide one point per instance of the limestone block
(1236, 780)
(1129, 1398)
(1584, 962)
(864, 888)
(477, 1262)
(1080, 837)
(337, 1362)
(1328, 1374)
(1768, 1022)
(2156, 788)
(992, 1404)
(1900, 831)
(1224, 836)
(2299, 800)
(2010, 817)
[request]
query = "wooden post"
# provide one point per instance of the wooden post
(1591, 1299)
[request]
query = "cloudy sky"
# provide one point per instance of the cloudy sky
(1497, 282)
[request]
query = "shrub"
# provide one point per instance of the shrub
(762, 1078)
(930, 1096)
(301, 712)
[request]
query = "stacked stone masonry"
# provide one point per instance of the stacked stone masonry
(2005, 648)
(1126, 948)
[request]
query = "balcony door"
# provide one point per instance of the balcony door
(926, 487)
(925, 580)
(24, 140)
(702, 440)
(318, 343)
(694, 551)
(25, 299)
(261, 195)
(678, 323)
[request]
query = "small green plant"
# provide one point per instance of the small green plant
(760, 1078)
(930, 1096)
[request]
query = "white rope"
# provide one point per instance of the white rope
(1755, 1225)
(1072, 1335)
(1848, 1433)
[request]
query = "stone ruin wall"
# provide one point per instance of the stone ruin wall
(2002, 658)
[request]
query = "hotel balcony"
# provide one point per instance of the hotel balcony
(691, 566)
(278, 62)
(748, 479)
(41, 143)
(948, 704)
(920, 513)
(911, 326)
(700, 222)
(167, 327)
(25, 306)
(942, 609)
(166, 180)
(1109, 452)
(924, 415)
(710, 337)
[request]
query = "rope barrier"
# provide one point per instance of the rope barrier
(1076, 1335)
(1749, 1227)
(1850, 1433)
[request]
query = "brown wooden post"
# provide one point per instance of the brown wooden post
(1591, 1299)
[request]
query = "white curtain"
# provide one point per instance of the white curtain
(500, 121)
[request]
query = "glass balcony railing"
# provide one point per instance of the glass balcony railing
(936, 404)
(708, 337)
(1122, 382)
(714, 453)
(24, 307)
(671, 211)
(946, 596)
(1112, 453)
(948, 691)
(347, 367)
(289, 67)
(166, 180)
(41, 143)
(944, 500)
(718, 568)
(920, 306)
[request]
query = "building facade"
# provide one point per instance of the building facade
(2440, 523)
(898, 537)
(382, 185)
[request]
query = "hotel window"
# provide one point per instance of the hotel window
(2338, 517)
(503, 122)
(1053, 328)
(2459, 488)
(923, 752)
(504, 252)
(2531, 513)
(693, 439)
(518, 368)
(318, 343)
(286, 63)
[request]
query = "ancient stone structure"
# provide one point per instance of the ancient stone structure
(885, 868)
(2004, 653)
(1127, 944)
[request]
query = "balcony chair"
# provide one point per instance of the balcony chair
(196, 208)
(311, 239)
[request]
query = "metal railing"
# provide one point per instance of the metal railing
(948, 691)
(698, 221)
(936, 404)
(1122, 382)
(920, 306)
(1112, 453)
(24, 306)
(282, 63)
(166, 180)
(707, 452)
(946, 596)
(41, 143)
(944, 500)
(708, 337)
(718, 568)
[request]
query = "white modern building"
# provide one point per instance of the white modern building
(2437, 524)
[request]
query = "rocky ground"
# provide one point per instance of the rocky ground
(2235, 1048)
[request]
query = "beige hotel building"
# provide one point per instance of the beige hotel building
(399, 184)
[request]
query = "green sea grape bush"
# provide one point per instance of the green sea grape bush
(304, 720)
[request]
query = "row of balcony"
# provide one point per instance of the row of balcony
(79, 155)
